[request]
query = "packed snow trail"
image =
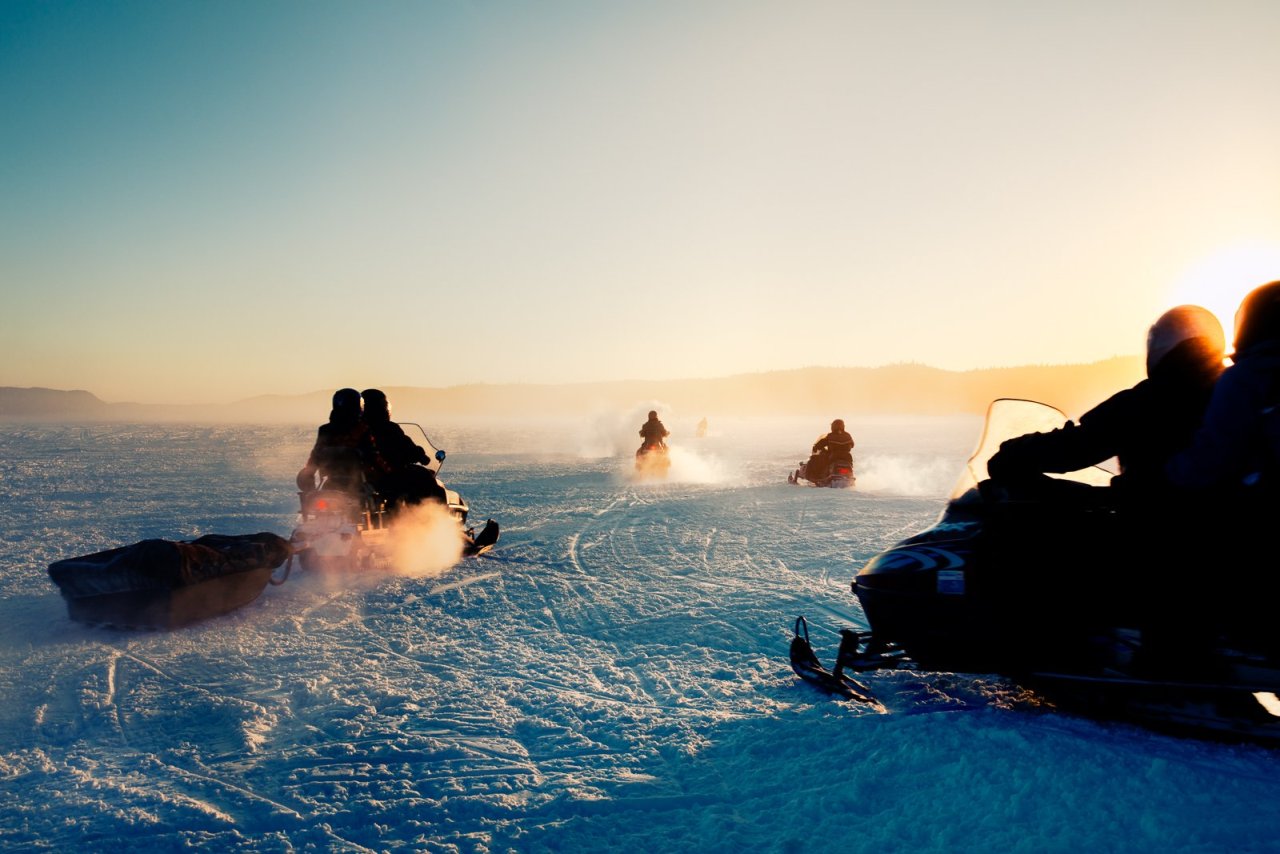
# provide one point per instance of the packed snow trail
(613, 676)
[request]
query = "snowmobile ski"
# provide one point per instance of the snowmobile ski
(807, 666)
(483, 541)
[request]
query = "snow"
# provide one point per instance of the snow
(612, 677)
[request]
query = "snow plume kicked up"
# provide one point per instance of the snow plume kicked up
(688, 466)
(425, 540)
(908, 476)
(609, 434)
(618, 435)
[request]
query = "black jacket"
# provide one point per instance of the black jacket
(653, 432)
(1239, 442)
(1143, 427)
(337, 452)
(387, 449)
(837, 446)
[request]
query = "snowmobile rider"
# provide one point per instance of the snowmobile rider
(1142, 426)
(335, 457)
(830, 450)
(1236, 451)
(654, 434)
(1228, 483)
(394, 464)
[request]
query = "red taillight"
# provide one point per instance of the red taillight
(321, 504)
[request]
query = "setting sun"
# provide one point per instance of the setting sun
(1220, 280)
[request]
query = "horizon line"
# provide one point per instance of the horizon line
(580, 383)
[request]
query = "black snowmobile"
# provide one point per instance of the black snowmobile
(1098, 605)
(839, 475)
(349, 529)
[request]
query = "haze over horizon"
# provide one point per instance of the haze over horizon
(193, 397)
(209, 202)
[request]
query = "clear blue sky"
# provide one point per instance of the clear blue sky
(206, 201)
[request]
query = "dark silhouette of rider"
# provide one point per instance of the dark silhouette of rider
(1237, 448)
(1142, 426)
(829, 451)
(654, 434)
(1229, 483)
(335, 458)
(394, 464)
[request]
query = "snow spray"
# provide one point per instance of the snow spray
(425, 540)
(609, 434)
(905, 475)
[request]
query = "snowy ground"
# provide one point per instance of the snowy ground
(612, 677)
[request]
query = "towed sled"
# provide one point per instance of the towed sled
(350, 530)
(162, 584)
(1103, 607)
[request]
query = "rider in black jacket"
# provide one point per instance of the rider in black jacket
(654, 433)
(335, 457)
(1142, 426)
(830, 450)
(1238, 446)
(394, 464)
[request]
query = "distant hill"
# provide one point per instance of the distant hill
(49, 403)
(907, 389)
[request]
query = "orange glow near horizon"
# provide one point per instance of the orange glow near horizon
(1221, 280)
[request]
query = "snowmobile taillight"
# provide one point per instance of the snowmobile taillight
(321, 504)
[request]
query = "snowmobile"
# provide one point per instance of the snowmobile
(838, 476)
(1075, 593)
(652, 460)
(340, 529)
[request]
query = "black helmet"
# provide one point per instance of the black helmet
(837, 426)
(375, 405)
(1181, 324)
(346, 400)
(653, 415)
(1258, 318)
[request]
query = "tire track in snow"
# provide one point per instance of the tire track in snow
(109, 698)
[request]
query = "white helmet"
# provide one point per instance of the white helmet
(1182, 324)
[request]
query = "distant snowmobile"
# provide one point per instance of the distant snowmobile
(1054, 590)
(338, 529)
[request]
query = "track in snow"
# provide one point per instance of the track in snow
(615, 670)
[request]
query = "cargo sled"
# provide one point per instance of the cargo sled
(163, 584)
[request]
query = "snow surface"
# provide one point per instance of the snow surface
(612, 678)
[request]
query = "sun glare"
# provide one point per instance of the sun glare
(1220, 281)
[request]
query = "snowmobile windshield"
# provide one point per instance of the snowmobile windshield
(435, 456)
(1007, 418)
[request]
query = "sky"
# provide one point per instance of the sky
(201, 202)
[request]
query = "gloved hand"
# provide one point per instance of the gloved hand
(1010, 463)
